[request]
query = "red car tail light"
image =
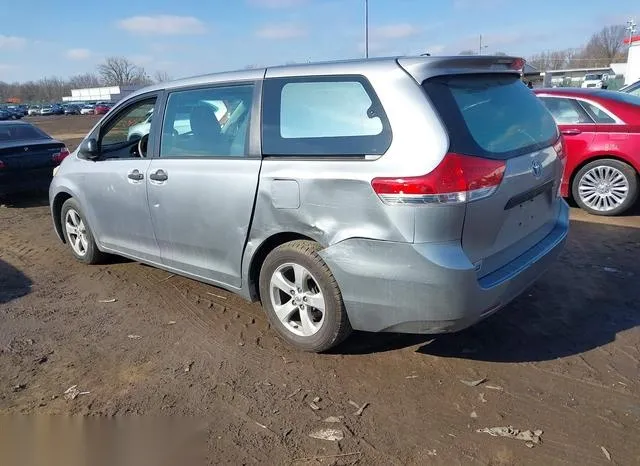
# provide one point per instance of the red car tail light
(58, 157)
(457, 179)
(2, 165)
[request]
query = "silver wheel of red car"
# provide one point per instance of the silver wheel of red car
(605, 187)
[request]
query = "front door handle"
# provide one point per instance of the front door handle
(159, 175)
(571, 132)
(135, 175)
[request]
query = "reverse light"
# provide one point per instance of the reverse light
(457, 179)
(58, 157)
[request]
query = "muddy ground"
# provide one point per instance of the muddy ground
(563, 358)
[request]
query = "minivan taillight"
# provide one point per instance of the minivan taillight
(457, 179)
(561, 150)
(58, 157)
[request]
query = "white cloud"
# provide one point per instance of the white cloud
(277, 3)
(162, 25)
(78, 54)
(395, 31)
(12, 42)
(281, 31)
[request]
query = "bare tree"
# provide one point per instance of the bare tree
(606, 46)
(161, 77)
(85, 80)
(119, 71)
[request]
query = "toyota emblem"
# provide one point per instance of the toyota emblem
(26, 149)
(536, 168)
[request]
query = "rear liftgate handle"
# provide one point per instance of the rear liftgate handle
(159, 175)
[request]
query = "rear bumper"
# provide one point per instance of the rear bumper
(431, 287)
(25, 181)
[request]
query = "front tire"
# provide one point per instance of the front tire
(78, 235)
(605, 187)
(301, 297)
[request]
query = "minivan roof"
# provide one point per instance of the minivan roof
(414, 65)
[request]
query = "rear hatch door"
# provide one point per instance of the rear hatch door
(495, 116)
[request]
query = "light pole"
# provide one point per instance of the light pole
(481, 47)
(631, 27)
(366, 28)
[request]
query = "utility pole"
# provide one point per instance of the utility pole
(631, 27)
(366, 28)
(482, 47)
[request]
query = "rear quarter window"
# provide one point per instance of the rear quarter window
(323, 116)
(492, 116)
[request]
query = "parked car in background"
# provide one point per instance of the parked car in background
(71, 109)
(601, 130)
(633, 89)
(34, 110)
(46, 110)
(18, 110)
(13, 112)
(87, 110)
(595, 80)
(101, 108)
(4, 115)
(28, 157)
(302, 196)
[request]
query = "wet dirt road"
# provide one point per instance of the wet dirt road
(563, 358)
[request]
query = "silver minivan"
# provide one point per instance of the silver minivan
(399, 195)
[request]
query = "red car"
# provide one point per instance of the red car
(601, 130)
(101, 109)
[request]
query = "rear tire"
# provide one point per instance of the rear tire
(78, 235)
(310, 312)
(605, 187)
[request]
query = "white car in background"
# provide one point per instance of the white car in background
(181, 124)
(595, 81)
(87, 110)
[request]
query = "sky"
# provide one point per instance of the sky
(191, 37)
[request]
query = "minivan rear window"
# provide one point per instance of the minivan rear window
(493, 116)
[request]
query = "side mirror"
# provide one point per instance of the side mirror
(89, 149)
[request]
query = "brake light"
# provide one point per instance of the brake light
(561, 151)
(60, 156)
(457, 179)
(2, 165)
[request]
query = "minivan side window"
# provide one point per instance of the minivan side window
(209, 122)
(323, 116)
(129, 124)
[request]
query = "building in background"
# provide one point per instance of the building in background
(100, 94)
(633, 60)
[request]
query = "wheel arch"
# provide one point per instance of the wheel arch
(56, 211)
(261, 253)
